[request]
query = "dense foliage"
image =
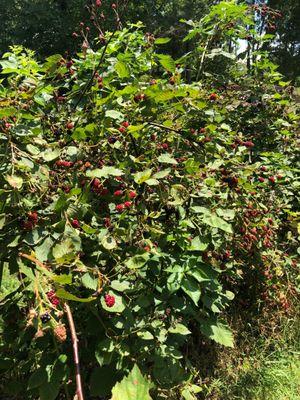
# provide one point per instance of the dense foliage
(145, 193)
(47, 27)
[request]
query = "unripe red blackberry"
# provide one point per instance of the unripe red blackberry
(120, 207)
(75, 223)
(132, 194)
(109, 300)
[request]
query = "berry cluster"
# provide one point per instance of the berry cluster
(31, 221)
(64, 163)
(109, 300)
(54, 300)
(45, 317)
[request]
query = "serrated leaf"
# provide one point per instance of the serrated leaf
(145, 335)
(203, 273)
(162, 40)
(137, 261)
(50, 155)
(166, 159)
(120, 286)
(114, 114)
(152, 182)
(109, 243)
(162, 174)
(167, 62)
(38, 378)
(142, 176)
(62, 279)
(64, 251)
(89, 281)
(49, 391)
(132, 387)
(191, 288)
(63, 294)
(198, 245)
(15, 181)
(217, 331)
(43, 250)
(104, 172)
(180, 329)
(217, 222)
(122, 69)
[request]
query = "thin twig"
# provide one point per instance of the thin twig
(90, 81)
(79, 390)
(163, 127)
(34, 260)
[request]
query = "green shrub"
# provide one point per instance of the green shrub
(141, 201)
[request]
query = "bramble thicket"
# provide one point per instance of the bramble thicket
(143, 198)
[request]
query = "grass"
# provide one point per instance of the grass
(274, 378)
(263, 367)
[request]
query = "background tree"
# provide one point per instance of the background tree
(287, 49)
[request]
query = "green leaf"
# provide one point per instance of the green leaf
(152, 182)
(191, 288)
(145, 335)
(203, 273)
(162, 40)
(8, 111)
(132, 387)
(162, 174)
(200, 210)
(64, 251)
(49, 391)
(50, 155)
(63, 294)
(198, 245)
(2, 220)
(179, 193)
(217, 222)
(104, 172)
(167, 62)
(102, 381)
(43, 250)
(191, 166)
(15, 181)
(137, 261)
(217, 331)
(122, 69)
(143, 176)
(38, 378)
(119, 305)
(89, 282)
(166, 159)
(120, 286)
(108, 242)
(180, 329)
(113, 114)
(62, 279)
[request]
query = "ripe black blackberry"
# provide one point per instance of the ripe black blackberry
(45, 317)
